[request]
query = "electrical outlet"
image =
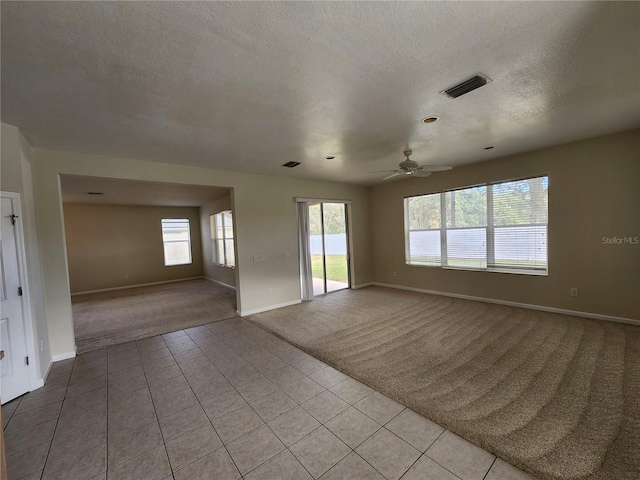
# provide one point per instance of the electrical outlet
(393, 274)
(126, 276)
(574, 292)
(286, 255)
(258, 258)
(270, 291)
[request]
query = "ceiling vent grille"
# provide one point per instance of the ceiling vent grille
(291, 164)
(466, 86)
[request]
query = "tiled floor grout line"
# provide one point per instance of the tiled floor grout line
(435, 461)
(352, 450)
(253, 430)
(495, 458)
(381, 427)
(124, 411)
(164, 442)
(53, 435)
(200, 404)
(283, 413)
(297, 405)
(249, 405)
(106, 461)
(198, 400)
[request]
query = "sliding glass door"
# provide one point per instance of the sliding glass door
(328, 247)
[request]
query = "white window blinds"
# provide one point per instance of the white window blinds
(520, 223)
(501, 226)
(466, 234)
(423, 239)
(176, 238)
(223, 251)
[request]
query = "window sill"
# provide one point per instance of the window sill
(535, 273)
(232, 267)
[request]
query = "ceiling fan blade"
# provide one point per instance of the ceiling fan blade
(420, 173)
(392, 175)
(434, 168)
(387, 171)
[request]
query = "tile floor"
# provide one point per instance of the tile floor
(222, 401)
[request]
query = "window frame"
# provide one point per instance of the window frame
(490, 232)
(215, 239)
(165, 241)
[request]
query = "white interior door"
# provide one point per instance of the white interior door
(14, 370)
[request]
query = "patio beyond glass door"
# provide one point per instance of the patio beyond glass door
(329, 247)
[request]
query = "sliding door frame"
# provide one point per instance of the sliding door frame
(307, 202)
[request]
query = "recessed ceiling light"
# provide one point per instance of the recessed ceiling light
(488, 148)
(95, 193)
(329, 157)
(430, 119)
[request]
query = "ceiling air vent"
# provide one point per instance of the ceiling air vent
(466, 86)
(291, 164)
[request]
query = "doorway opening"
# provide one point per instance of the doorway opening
(140, 258)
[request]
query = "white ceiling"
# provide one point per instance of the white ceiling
(248, 86)
(75, 189)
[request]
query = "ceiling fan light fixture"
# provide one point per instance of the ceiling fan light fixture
(411, 167)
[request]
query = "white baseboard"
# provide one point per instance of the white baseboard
(47, 371)
(87, 292)
(63, 356)
(362, 285)
(40, 382)
(266, 309)
(37, 384)
(56, 358)
(595, 316)
(222, 284)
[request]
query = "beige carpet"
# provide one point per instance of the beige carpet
(109, 318)
(555, 395)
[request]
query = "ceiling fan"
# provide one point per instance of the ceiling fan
(411, 167)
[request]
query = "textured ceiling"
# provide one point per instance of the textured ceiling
(131, 192)
(248, 86)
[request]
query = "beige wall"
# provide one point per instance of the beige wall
(16, 176)
(215, 272)
(264, 214)
(594, 192)
(119, 245)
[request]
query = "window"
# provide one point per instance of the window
(176, 238)
(500, 227)
(222, 238)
